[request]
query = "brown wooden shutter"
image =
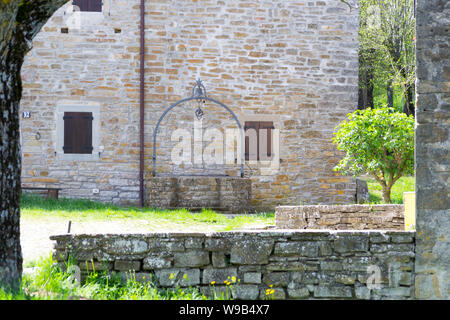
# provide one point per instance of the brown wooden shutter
(259, 125)
(68, 132)
(95, 5)
(89, 5)
(78, 132)
(268, 125)
(82, 4)
(251, 125)
(85, 127)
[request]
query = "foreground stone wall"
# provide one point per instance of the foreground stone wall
(296, 264)
(226, 194)
(432, 149)
(342, 217)
(291, 62)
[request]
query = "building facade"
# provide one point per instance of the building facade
(287, 67)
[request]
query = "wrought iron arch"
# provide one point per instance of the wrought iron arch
(199, 94)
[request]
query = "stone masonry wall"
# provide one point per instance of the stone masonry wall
(341, 217)
(95, 64)
(432, 149)
(292, 62)
(298, 264)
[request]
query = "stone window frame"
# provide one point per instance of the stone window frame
(92, 107)
(275, 143)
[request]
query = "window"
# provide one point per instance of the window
(78, 133)
(88, 5)
(258, 140)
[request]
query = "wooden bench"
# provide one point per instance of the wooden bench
(50, 192)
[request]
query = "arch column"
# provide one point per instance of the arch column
(432, 262)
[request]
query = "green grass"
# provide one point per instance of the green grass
(404, 184)
(380, 97)
(34, 207)
(53, 282)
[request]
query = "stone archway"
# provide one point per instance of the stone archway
(432, 136)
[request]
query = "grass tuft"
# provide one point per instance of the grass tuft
(51, 281)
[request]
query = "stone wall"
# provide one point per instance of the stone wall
(94, 65)
(432, 149)
(225, 194)
(292, 62)
(297, 264)
(341, 217)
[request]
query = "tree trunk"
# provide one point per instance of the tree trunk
(20, 21)
(390, 94)
(387, 194)
(365, 98)
(408, 107)
(10, 166)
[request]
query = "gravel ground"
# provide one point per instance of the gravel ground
(35, 233)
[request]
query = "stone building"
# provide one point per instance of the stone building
(289, 67)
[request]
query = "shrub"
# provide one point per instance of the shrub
(377, 142)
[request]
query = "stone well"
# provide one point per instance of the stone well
(221, 193)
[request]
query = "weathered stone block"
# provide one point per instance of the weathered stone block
(194, 243)
(191, 258)
(156, 262)
(362, 293)
(141, 277)
(379, 238)
(298, 248)
(126, 265)
(277, 279)
(181, 277)
(126, 246)
(325, 249)
(298, 293)
(219, 260)
(251, 251)
(347, 244)
(245, 292)
(217, 244)
(252, 277)
(331, 265)
(333, 292)
(218, 275)
(95, 265)
(362, 191)
(278, 294)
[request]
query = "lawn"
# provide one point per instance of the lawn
(76, 210)
(404, 184)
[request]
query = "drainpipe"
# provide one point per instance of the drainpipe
(141, 102)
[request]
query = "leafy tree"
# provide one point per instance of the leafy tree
(387, 46)
(378, 142)
(20, 21)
